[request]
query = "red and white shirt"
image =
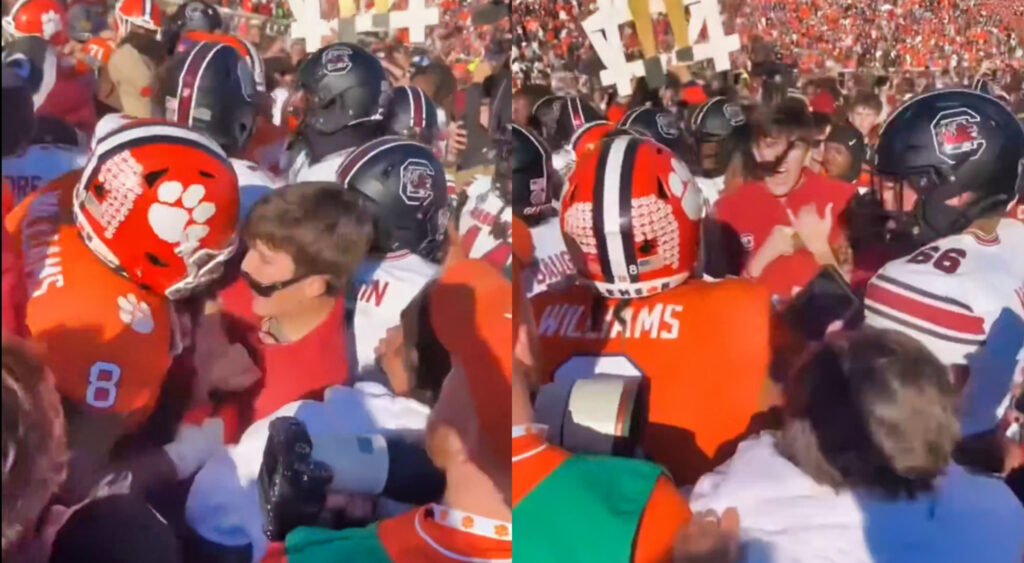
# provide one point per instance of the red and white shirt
(476, 224)
(948, 293)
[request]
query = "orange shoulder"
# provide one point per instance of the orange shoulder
(107, 340)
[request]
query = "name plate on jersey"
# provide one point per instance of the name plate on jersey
(602, 29)
(317, 30)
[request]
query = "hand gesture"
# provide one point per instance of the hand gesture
(219, 363)
(709, 539)
(456, 141)
(390, 353)
(812, 228)
(781, 241)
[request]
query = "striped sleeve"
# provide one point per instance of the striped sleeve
(949, 328)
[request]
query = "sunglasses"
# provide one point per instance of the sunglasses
(268, 289)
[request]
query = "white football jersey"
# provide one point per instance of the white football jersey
(253, 183)
(551, 260)
(483, 208)
(324, 171)
(380, 292)
(948, 293)
(37, 165)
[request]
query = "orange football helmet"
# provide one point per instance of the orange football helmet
(588, 137)
(159, 204)
(137, 13)
(45, 18)
(630, 217)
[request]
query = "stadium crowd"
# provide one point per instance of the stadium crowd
(379, 301)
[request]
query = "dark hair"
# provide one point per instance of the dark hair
(433, 362)
(323, 227)
(442, 81)
(34, 446)
(871, 408)
(789, 117)
(119, 528)
(534, 93)
(868, 99)
(820, 122)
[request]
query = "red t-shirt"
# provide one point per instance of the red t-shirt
(291, 371)
(752, 212)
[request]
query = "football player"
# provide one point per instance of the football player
(654, 123)
(410, 113)
(484, 219)
(718, 126)
(194, 15)
(408, 191)
(630, 218)
(534, 186)
(150, 219)
(137, 16)
(42, 18)
(950, 164)
(211, 89)
(344, 86)
(557, 119)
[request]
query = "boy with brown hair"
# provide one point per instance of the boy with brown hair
(304, 243)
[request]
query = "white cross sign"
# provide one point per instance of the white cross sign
(312, 27)
(416, 19)
(602, 28)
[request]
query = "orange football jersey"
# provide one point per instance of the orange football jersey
(704, 348)
(107, 341)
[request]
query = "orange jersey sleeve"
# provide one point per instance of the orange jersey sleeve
(704, 347)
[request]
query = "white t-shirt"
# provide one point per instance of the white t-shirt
(38, 165)
(223, 504)
(381, 291)
(787, 517)
(947, 294)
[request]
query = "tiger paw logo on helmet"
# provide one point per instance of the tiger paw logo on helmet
(179, 215)
(158, 203)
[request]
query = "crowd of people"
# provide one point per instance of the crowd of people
(379, 301)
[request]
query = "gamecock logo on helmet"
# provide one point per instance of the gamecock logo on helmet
(734, 114)
(956, 133)
(666, 125)
(336, 60)
(417, 177)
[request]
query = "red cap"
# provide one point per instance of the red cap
(823, 102)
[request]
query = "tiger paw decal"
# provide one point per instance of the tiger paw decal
(180, 215)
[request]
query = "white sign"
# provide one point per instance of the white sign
(602, 28)
(313, 28)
